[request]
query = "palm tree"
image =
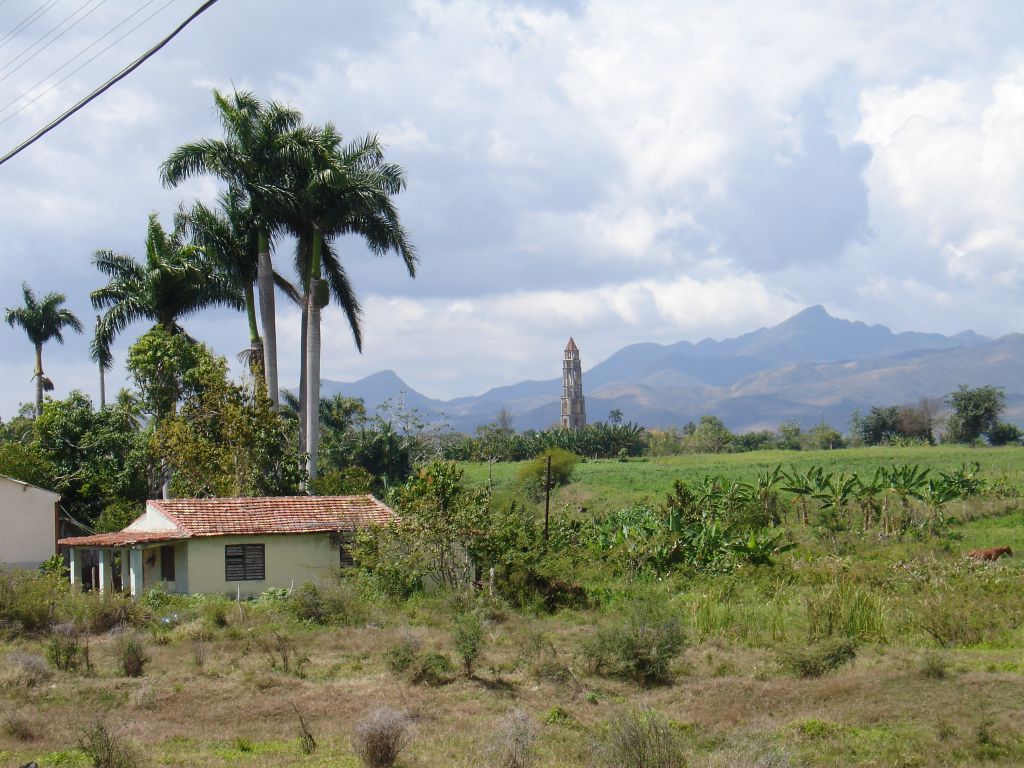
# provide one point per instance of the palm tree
(340, 190)
(42, 320)
(230, 237)
(348, 190)
(259, 145)
(175, 281)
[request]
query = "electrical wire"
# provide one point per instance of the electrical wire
(107, 85)
(31, 19)
(93, 44)
(48, 33)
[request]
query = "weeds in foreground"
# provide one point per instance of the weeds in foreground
(817, 659)
(132, 657)
(640, 739)
(514, 743)
(106, 749)
(639, 647)
(381, 737)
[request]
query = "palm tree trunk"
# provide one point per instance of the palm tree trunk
(304, 332)
(265, 278)
(314, 303)
(39, 380)
(255, 342)
(103, 388)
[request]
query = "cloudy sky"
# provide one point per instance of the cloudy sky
(620, 172)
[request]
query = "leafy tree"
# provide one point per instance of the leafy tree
(442, 531)
(226, 439)
(789, 436)
(824, 438)
(533, 474)
(711, 436)
(175, 281)
(99, 457)
(975, 412)
(260, 140)
(1004, 433)
(42, 320)
(159, 363)
(879, 426)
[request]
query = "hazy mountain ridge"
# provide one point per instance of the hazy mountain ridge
(810, 367)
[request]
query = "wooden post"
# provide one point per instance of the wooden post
(547, 499)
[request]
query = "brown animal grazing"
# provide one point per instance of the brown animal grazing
(993, 553)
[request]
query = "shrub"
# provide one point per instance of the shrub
(644, 739)
(430, 669)
(64, 649)
(515, 741)
(338, 604)
(533, 473)
(817, 659)
(106, 749)
(28, 669)
(380, 737)
(639, 647)
(106, 612)
(934, 667)
(19, 727)
(131, 655)
(468, 637)
(29, 600)
(401, 656)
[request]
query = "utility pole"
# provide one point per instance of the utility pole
(547, 499)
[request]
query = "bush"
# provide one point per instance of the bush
(106, 749)
(639, 647)
(644, 739)
(533, 473)
(64, 649)
(380, 737)
(334, 604)
(19, 727)
(103, 613)
(131, 655)
(30, 601)
(934, 667)
(28, 669)
(430, 669)
(401, 656)
(817, 659)
(515, 742)
(468, 637)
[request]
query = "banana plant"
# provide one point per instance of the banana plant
(869, 493)
(759, 548)
(802, 485)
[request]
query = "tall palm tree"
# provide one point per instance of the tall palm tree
(230, 237)
(175, 281)
(42, 320)
(258, 146)
(340, 190)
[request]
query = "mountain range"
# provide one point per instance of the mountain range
(809, 368)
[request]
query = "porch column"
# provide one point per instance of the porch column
(135, 571)
(125, 582)
(106, 574)
(75, 564)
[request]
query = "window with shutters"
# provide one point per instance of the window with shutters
(244, 562)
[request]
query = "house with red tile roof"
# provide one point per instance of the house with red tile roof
(238, 546)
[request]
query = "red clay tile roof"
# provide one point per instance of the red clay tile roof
(121, 538)
(250, 516)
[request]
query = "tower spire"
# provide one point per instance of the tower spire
(574, 410)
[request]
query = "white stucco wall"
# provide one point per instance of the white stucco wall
(28, 519)
(289, 559)
(151, 520)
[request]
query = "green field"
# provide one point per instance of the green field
(934, 676)
(604, 484)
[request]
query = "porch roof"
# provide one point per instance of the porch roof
(192, 518)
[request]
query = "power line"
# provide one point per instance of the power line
(107, 85)
(93, 44)
(48, 33)
(27, 22)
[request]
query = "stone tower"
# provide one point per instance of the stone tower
(574, 410)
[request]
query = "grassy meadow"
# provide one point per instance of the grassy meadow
(936, 676)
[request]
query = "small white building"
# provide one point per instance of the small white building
(30, 518)
(236, 546)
